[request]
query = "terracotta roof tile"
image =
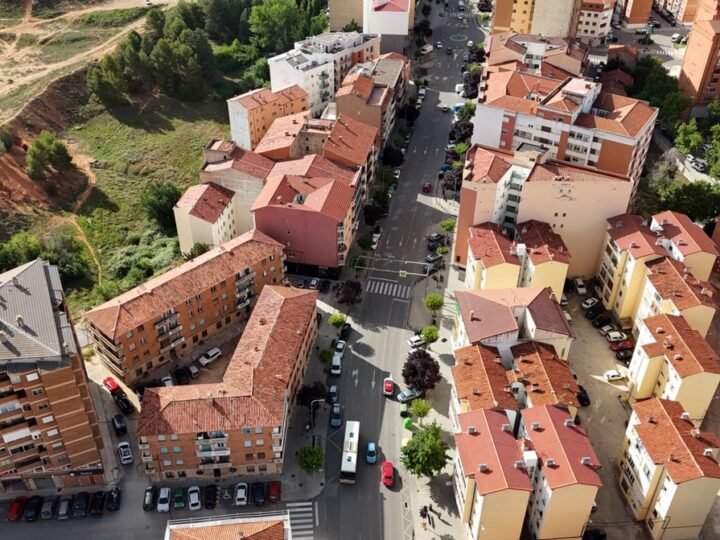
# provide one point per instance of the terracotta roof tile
(542, 243)
(244, 161)
(229, 529)
(390, 5)
(356, 84)
(551, 170)
(674, 282)
(685, 349)
(351, 142)
(490, 244)
(559, 439)
(264, 96)
(480, 378)
(143, 303)
(315, 165)
(282, 133)
(495, 447)
(548, 380)
(486, 165)
(618, 50)
(623, 115)
(206, 201)
(631, 234)
(687, 237)
(565, 54)
(672, 441)
(256, 379)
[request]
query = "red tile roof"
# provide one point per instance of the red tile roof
(494, 446)
(548, 380)
(145, 302)
(244, 161)
(559, 439)
(673, 442)
(543, 244)
(553, 170)
(489, 243)
(229, 529)
(257, 377)
(264, 96)
(315, 165)
(390, 5)
(674, 282)
(356, 84)
(564, 54)
(480, 378)
(206, 201)
(282, 133)
(486, 165)
(351, 141)
(685, 349)
(623, 115)
(687, 237)
(631, 233)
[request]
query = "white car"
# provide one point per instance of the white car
(193, 497)
(124, 453)
(167, 380)
(616, 335)
(163, 502)
(194, 370)
(580, 286)
(470, 44)
(563, 300)
(613, 375)
(241, 494)
(340, 347)
(421, 92)
(438, 45)
(210, 356)
(605, 330)
(396, 174)
(415, 342)
(590, 302)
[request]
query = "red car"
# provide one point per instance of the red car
(427, 187)
(273, 491)
(388, 473)
(112, 385)
(624, 345)
(15, 512)
(388, 386)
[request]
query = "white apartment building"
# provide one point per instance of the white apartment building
(669, 470)
(206, 214)
(594, 22)
(319, 64)
(391, 19)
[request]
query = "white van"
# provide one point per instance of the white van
(210, 356)
(676, 38)
(415, 342)
(336, 366)
(567, 316)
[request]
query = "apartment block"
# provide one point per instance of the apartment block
(205, 214)
(684, 11)
(570, 117)
(594, 21)
(238, 426)
(543, 255)
(373, 104)
(670, 288)
(550, 18)
(707, 10)
(252, 113)
(49, 434)
(700, 70)
(174, 313)
(267, 526)
(294, 136)
(390, 70)
(503, 318)
(490, 481)
(508, 188)
(392, 20)
(635, 13)
(492, 261)
(669, 470)
(319, 63)
(673, 361)
(562, 466)
(479, 381)
(631, 242)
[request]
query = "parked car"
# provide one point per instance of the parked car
(433, 258)
(258, 493)
(114, 497)
(163, 502)
(345, 331)
(388, 386)
(119, 425)
(416, 342)
(602, 320)
(563, 300)
(97, 503)
(408, 395)
(324, 285)
(49, 507)
(333, 394)
(371, 453)
(616, 335)
(111, 384)
(178, 498)
(241, 494)
(123, 403)
(426, 187)
(210, 356)
(594, 311)
(388, 473)
(605, 330)
(625, 345)
(64, 508)
(17, 507)
(211, 493)
(149, 499)
(181, 376)
(32, 508)
(624, 355)
(273, 490)
(167, 380)
(193, 496)
(80, 504)
(124, 453)
(583, 397)
(580, 286)
(336, 416)
(336, 365)
(436, 237)
(613, 375)
(589, 302)
(194, 370)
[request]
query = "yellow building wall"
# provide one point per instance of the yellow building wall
(550, 274)
(701, 265)
(643, 383)
(502, 514)
(626, 305)
(567, 512)
(501, 276)
(688, 510)
(469, 499)
(699, 318)
(344, 11)
(696, 392)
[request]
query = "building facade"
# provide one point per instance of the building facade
(49, 433)
(594, 21)
(205, 214)
(150, 325)
(344, 12)
(392, 20)
(238, 426)
(372, 104)
(635, 13)
(700, 72)
(492, 261)
(550, 18)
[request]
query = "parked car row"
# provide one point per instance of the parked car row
(163, 499)
(79, 505)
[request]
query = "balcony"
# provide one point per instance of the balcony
(210, 466)
(324, 84)
(244, 278)
(212, 437)
(28, 463)
(324, 75)
(325, 95)
(341, 247)
(173, 344)
(165, 317)
(143, 445)
(218, 452)
(169, 331)
(243, 303)
(146, 457)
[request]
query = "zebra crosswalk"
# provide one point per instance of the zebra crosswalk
(302, 520)
(388, 288)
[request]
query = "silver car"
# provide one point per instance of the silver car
(124, 453)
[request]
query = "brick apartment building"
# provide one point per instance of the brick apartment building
(700, 72)
(49, 435)
(150, 325)
(237, 426)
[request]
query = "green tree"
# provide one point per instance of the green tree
(325, 356)
(318, 24)
(425, 10)
(700, 200)
(311, 392)
(462, 148)
(44, 151)
(433, 302)
(466, 112)
(688, 138)
(448, 225)
(430, 334)
(106, 81)
(276, 24)
(426, 454)
(154, 29)
(420, 408)
(310, 458)
(6, 139)
(19, 249)
(442, 250)
(336, 320)
(192, 14)
(158, 202)
(198, 249)
(352, 26)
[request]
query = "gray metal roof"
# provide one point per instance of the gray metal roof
(34, 331)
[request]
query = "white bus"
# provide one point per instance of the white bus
(348, 467)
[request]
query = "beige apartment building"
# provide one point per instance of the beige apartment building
(373, 104)
(707, 10)
(700, 72)
(238, 426)
(544, 256)
(174, 313)
(490, 480)
(669, 470)
(252, 113)
(550, 18)
(492, 261)
(49, 433)
(594, 23)
(673, 361)
(509, 188)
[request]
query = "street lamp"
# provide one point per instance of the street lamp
(312, 404)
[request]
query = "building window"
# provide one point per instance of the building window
(177, 450)
(247, 444)
(143, 340)
(259, 442)
(249, 457)
(261, 455)
(179, 462)
(161, 438)
(174, 437)
(32, 377)
(262, 467)
(52, 432)
(164, 450)
(38, 392)
(246, 431)
(251, 468)
(167, 462)
(48, 419)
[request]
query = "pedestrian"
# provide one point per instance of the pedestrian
(430, 508)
